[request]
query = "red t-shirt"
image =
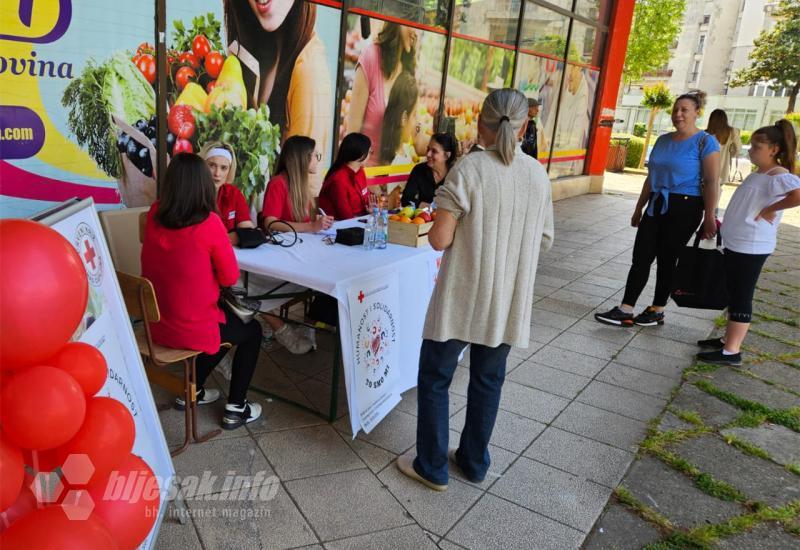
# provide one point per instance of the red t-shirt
(187, 266)
(344, 194)
(277, 203)
(232, 206)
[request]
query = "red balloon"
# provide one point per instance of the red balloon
(12, 472)
(51, 528)
(42, 407)
(42, 461)
(43, 292)
(127, 501)
(106, 436)
(25, 504)
(85, 363)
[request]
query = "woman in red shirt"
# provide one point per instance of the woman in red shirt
(288, 199)
(231, 204)
(187, 256)
(344, 193)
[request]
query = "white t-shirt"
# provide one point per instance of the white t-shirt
(740, 232)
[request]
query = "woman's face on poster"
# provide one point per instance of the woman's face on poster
(271, 13)
(408, 37)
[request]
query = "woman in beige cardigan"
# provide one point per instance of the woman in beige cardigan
(494, 212)
(730, 142)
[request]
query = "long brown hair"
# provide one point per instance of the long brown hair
(402, 99)
(718, 126)
(391, 44)
(288, 40)
(294, 160)
(188, 195)
(781, 134)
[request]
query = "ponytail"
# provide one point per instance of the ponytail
(781, 134)
(505, 111)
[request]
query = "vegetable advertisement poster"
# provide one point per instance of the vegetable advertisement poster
(78, 93)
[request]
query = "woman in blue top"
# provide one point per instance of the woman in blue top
(676, 202)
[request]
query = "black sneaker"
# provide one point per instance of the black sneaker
(615, 317)
(203, 397)
(719, 358)
(239, 415)
(715, 343)
(649, 318)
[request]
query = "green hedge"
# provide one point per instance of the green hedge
(745, 134)
(635, 148)
(639, 129)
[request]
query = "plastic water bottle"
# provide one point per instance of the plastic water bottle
(369, 233)
(382, 229)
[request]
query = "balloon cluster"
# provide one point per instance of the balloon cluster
(52, 426)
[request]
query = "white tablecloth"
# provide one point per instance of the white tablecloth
(335, 270)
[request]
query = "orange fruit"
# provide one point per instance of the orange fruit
(404, 219)
(418, 220)
(394, 218)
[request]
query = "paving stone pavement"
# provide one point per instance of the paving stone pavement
(576, 406)
(721, 466)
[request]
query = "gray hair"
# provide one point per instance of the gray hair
(505, 111)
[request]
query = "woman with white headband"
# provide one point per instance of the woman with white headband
(231, 204)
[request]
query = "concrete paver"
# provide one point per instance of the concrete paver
(574, 411)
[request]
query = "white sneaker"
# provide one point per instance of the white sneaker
(237, 416)
(203, 397)
(293, 339)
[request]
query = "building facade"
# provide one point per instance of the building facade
(715, 42)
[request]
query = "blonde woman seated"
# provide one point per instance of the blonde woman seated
(288, 204)
(231, 204)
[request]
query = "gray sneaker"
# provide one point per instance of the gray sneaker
(294, 339)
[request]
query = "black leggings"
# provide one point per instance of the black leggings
(741, 276)
(247, 339)
(660, 237)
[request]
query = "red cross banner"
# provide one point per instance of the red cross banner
(375, 325)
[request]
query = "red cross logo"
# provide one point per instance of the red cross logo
(90, 254)
(360, 296)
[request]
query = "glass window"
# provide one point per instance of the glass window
(571, 134)
(475, 69)
(493, 20)
(596, 10)
(428, 12)
(565, 4)
(540, 78)
(392, 77)
(544, 31)
(586, 45)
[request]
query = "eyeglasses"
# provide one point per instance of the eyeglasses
(316, 155)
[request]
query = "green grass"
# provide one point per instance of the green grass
(780, 339)
(692, 417)
(625, 497)
(746, 447)
(794, 468)
(719, 489)
(721, 321)
(748, 419)
(750, 374)
(789, 418)
(678, 541)
(709, 534)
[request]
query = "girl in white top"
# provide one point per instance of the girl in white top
(749, 231)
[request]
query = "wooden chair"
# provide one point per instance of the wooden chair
(140, 300)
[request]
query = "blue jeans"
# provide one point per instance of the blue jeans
(437, 364)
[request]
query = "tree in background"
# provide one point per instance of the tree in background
(656, 25)
(656, 97)
(776, 57)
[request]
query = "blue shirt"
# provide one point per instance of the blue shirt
(674, 167)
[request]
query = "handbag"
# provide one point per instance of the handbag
(699, 278)
(235, 300)
(250, 237)
(350, 236)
